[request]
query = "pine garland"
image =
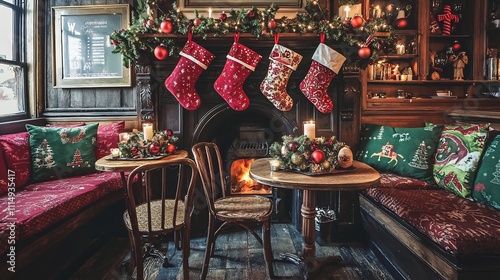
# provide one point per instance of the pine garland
(139, 41)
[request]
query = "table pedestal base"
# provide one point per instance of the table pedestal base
(310, 267)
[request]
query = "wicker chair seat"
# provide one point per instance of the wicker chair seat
(142, 216)
(246, 207)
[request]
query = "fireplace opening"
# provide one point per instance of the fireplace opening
(240, 181)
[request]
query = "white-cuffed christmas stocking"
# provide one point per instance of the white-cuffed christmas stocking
(283, 62)
(241, 61)
(181, 82)
(325, 65)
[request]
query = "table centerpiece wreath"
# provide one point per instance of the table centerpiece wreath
(136, 147)
(312, 157)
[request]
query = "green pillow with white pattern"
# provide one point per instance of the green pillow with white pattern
(404, 151)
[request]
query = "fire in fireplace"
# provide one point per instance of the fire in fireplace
(240, 181)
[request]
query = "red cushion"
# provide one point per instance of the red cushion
(4, 183)
(390, 180)
(458, 225)
(16, 153)
(40, 205)
(107, 138)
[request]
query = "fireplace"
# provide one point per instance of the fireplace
(240, 135)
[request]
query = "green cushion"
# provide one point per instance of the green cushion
(61, 152)
(404, 151)
(457, 156)
(487, 184)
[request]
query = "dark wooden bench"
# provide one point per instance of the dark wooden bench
(58, 250)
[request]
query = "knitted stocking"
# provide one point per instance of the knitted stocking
(325, 65)
(283, 62)
(241, 61)
(194, 59)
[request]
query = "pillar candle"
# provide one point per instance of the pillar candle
(148, 131)
(310, 129)
(115, 152)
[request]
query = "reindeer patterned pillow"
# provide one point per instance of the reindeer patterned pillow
(403, 151)
(457, 157)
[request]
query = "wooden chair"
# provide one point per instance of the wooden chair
(151, 214)
(239, 210)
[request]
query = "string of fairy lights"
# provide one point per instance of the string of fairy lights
(146, 32)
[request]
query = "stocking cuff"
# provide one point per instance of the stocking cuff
(285, 56)
(197, 54)
(244, 56)
(329, 57)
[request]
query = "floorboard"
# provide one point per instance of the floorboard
(238, 255)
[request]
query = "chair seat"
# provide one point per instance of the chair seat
(251, 207)
(142, 216)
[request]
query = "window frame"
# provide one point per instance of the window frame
(19, 47)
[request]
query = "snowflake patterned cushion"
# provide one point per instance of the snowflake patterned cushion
(487, 184)
(61, 152)
(404, 151)
(457, 157)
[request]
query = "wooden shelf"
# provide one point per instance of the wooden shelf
(398, 56)
(432, 82)
(449, 36)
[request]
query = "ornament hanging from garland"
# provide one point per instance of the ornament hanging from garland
(161, 52)
(357, 22)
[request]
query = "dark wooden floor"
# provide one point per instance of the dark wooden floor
(238, 256)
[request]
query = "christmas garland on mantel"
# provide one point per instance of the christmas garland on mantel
(146, 33)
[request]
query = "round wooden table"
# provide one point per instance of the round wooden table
(126, 165)
(362, 177)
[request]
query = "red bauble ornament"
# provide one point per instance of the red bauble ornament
(161, 52)
(114, 42)
(251, 15)
(171, 148)
(223, 17)
(356, 22)
(318, 156)
(166, 26)
(169, 133)
(271, 24)
(134, 150)
(401, 23)
(293, 146)
(150, 23)
(154, 148)
(196, 21)
(364, 52)
(456, 46)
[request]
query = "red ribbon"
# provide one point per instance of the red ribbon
(276, 38)
(236, 37)
(322, 37)
(190, 34)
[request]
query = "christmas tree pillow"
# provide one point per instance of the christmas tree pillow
(403, 151)
(457, 156)
(487, 184)
(61, 152)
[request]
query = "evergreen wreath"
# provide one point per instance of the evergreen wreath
(138, 42)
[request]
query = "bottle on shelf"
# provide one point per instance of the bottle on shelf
(492, 65)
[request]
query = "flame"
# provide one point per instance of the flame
(240, 178)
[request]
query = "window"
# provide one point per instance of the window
(13, 68)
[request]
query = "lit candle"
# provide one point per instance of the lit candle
(115, 152)
(209, 12)
(123, 137)
(275, 164)
(147, 128)
(346, 10)
(310, 129)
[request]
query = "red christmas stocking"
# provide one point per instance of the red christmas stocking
(194, 59)
(283, 62)
(325, 65)
(241, 61)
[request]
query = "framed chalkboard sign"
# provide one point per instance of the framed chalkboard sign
(82, 50)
